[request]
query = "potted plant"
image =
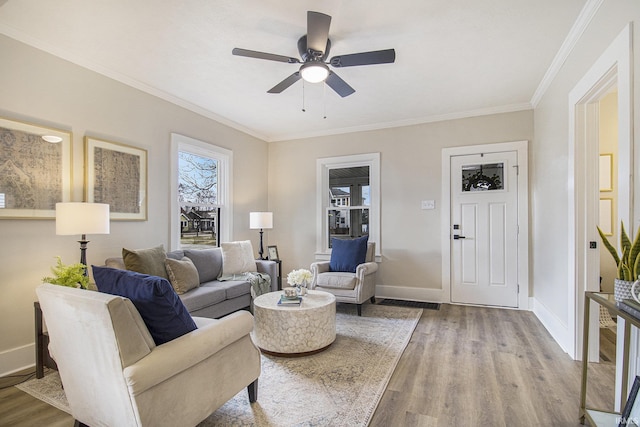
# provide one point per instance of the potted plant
(72, 275)
(628, 262)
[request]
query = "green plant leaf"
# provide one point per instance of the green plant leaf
(609, 246)
(68, 275)
(626, 271)
(634, 254)
(625, 243)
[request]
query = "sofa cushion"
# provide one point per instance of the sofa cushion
(114, 262)
(235, 288)
(183, 275)
(154, 298)
(177, 254)
(337, 280)
(237, 257)
(207, 261)
(205, 295)
(146, 261)
(347, 254)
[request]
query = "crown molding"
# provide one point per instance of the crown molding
(402, 123)
(582, 22)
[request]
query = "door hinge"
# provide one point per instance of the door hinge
(517, 169)
(518, 288)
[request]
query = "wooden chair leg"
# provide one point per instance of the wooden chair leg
(359, 309)
(252, 389)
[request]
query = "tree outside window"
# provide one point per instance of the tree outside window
(198, 200)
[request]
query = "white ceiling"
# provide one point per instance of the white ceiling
(454, 58)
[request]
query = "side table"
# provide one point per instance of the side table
(598, 417)
(42, 343)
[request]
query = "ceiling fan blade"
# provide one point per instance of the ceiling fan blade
(365, 58)
(262, 55)
(317, 31)
(285, 83)
(337, 84)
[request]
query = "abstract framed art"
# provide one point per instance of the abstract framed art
(116, 174)
(35, 169)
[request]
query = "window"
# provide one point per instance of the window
(200, 198)
(484, 177)
(348, 189)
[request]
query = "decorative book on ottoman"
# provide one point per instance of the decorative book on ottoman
(290, 301)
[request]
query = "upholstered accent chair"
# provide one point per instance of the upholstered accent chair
(114, 374)
(349, 287)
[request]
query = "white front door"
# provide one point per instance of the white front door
(484, 229)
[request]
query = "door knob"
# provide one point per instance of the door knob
(456, 237)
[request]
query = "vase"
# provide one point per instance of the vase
(622, 289)
(301, 290)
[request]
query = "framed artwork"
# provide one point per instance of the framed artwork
(116, 174)
(35, 169)
(606, 216)
(630, 415)
(606, 170)
(273, 253)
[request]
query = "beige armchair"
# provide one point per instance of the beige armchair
(114, 374)
(354, 288)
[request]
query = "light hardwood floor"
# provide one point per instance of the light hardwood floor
(466, 366)
(471, 366)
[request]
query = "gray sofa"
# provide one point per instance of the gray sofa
(213, 298)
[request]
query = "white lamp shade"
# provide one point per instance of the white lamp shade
(262, 220)
(82, 218)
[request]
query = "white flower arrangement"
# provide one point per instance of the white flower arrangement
(299, 277)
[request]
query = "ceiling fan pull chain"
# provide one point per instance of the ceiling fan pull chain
(324, 100)
(303, 85)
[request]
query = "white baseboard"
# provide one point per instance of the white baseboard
(411, 294)
(558, 330)
(17, 359)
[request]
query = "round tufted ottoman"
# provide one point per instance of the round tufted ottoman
(294, 331)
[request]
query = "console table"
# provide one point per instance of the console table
(42, 342)
(597, 417)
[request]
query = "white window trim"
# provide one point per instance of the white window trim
(323, 166)
(225, 174)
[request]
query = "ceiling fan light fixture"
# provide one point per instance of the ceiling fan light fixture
(314, 72)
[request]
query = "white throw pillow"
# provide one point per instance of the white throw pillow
(237, 258)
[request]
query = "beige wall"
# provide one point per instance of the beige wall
(410, 163)
(550, 156)
(40, 88)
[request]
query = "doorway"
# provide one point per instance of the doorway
(607, 219)
(611, 70)
(491, 267)
(484, 214)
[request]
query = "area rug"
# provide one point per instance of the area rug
(341, 386)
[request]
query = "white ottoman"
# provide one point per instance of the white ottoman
(294, 331)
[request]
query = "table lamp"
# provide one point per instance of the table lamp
(82, 218)
(262, 221)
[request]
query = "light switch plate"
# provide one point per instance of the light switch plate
(428, 204)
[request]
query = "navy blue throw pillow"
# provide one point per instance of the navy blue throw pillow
(154, 298)
(347, 254)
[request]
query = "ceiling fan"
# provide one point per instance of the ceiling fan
(314, 49)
